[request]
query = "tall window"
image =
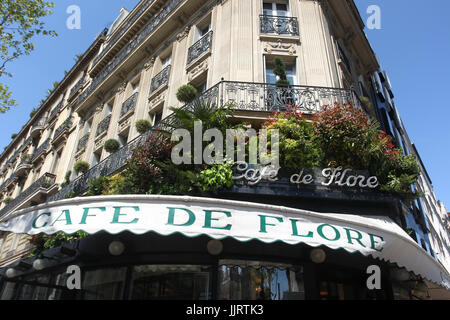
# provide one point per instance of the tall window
(280, 9)
(166, 61)
(290, 68)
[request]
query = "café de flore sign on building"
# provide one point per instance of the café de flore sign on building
(376, 236)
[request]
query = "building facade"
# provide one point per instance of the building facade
(226, 49)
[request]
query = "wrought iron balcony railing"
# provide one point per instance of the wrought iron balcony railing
(41, 149)
(129, 104)
(44, 182)
(55, 110)
(62, 128)
(279, 25)
(160, 79)
(24, 166)
(142, 35)
(8, 181)
(103, 125)
(37, 127)
(122, 31)
(200, 47)
(242, 96)
(83, 142)
(76, 87)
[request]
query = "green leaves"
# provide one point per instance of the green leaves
(20, 22)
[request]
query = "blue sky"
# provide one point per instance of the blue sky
(413, 45)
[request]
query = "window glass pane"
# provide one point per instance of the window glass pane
(171, 282)
(237, 282)
(104, 284)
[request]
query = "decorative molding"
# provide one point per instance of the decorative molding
(124, 124)
(157, 100)
(183, 34)
(197, 70)
(150, 64)
(281, 47)
(122, 87)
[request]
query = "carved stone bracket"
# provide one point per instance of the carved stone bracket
(157, 100)
(122, 87)
(183, 34)
(150, 63)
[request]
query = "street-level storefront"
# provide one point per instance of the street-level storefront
(169, 247)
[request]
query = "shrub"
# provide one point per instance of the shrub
(215, 178)
(186, 93)
(66, 179)
(32, 113)
(142, 126)
(81, 166)
(98, 186)
(13, 136)
(111, 145)
(280, 71)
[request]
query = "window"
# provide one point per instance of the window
(279, 9)
(166, 61)
(290, 69)
(171, 282)
(254, 280)
(135, 86)
(87, 127)
(202, 29)
(104, 284)
(157, 117)
(96, 158)
(108, 108)
(123, 139)
(56, 161)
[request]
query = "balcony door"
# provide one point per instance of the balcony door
(279, 9)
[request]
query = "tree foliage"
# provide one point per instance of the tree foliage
(20, 22)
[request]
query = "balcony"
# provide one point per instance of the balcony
(37, 192)
(160, 79)
(199, 48)
(82, 142)
(255, 97)
(76, 88)
(41, 150)
(103, 126)
(37, 128)
(278, 25)
(55, 111)
(8, 182)
(24, 167)
(129, 105)
(62, 130)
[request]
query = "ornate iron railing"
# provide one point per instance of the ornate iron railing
(82, 142)
(76, 87)
(63, 127)
(279, 25)
(122, 31)
(55, 110)
(270, 97)
(160, 79)
(42, 148)
(103, 125)
(133, 44)
(129, 104)
(200, 47)
(7, 182)
(44, 182)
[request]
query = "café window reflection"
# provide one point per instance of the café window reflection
(171, 282)
(104, 284)
(251, 280)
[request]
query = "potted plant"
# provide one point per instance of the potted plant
(112, 145)
(142, 126)
(186, 93)
(81, 166)
(8, 200)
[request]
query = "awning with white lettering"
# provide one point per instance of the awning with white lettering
(378, 237)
